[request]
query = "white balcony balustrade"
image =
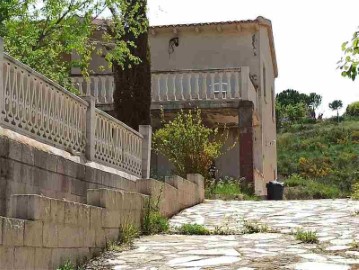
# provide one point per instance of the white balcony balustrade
(179, 85)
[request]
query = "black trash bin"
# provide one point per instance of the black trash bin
(275, 190)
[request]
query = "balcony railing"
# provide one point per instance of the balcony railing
(37, 107)
(179, 85)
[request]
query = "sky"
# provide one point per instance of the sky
(308, 35)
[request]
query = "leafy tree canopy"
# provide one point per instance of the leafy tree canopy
(336, 105)
(42, 34)
(349, 64)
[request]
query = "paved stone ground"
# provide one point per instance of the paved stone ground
(335, 221)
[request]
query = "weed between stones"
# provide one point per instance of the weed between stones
(309, 237)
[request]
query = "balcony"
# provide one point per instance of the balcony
(171, 89)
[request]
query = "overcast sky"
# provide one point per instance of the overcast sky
(308, 35)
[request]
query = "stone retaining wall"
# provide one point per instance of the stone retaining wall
(29, 167)
(42, 233)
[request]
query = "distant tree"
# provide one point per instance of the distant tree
(349, 64)
(335, 106)
(291, 97)
(314, 100)
(353, 109)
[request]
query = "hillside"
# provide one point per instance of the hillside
(319, 160)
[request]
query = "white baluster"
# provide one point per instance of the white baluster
(80, 82)
(211, 89)
(88, 86)
(111, 89)
(181, 87)
(196, 95)
(103, 89)
(236, 85)
(174, 86)
(204, 86)
(166, 87)
(221, 92)
(229, 86)
(159, 87)
(95, 94)
(189, 77)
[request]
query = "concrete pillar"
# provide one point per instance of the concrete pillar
(246, 158)
(146, 132)
(90, 127)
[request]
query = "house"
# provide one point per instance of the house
(228, 70)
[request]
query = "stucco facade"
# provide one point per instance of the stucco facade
(191, 62)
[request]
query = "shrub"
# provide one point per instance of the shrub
(154, 223)
(295, 180)
(229, 188)
(188, 144)
(353, 109)
(309, 237)
(193, 229)
(355, 194)
(67, 266)
(128, 233)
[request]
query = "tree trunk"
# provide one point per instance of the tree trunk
(132, 95)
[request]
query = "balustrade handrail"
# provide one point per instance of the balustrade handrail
(118, 122)
(202, 70)
(44, 78)
(35, 106)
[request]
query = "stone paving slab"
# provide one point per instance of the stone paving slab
(336, 223)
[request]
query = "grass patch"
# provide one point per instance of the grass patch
(193, 229)
(355, 193)
(297, 187)
(154, 223)
(250, 227)
(128, 233)
(68, 265)
(309, 237)
(354, 245)
(230, 189)
(325, 154)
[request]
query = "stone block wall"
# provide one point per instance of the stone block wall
(26, 168)
(43, 233)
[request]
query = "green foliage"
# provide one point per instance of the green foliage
(336, 105)
(349, 64)
(250, 227)
(353, 109)
(355, 192)
(188, 144)
(67, 266)
(291, 97)
(128, 233)
(44, 35)
(309, 237)
(154, 223)
(193, 229)
(230, 189)
(321, 160)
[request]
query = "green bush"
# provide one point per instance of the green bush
(128, 233)
(193, 229)
(355, 194)
(297, 187)
(325, 153)
(154, 223)
(353, 109)
(67, 266)
(188, 144)
(230, 188)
